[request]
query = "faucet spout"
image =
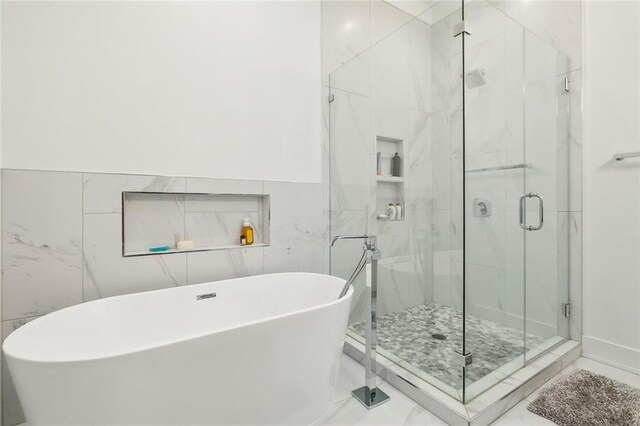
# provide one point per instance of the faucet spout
(370, 252)
(351, 237)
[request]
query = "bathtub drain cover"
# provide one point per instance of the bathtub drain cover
(439, 336)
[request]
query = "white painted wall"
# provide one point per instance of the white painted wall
(218, 89)
(611, 189)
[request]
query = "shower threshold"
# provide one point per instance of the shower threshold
(489, 397)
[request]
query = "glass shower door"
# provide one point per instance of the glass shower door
(493, 181)
(515, 180)
(546, 141)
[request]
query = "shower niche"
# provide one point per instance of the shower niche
(390, 180)
(154, 222)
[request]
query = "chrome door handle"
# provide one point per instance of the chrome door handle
(540, 212)
(523, 212)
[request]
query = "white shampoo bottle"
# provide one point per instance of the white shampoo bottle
(391, 211)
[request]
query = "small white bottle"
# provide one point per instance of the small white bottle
(391, 211)
(398, 211)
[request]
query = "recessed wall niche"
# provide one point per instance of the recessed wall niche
(152, 220)
(389, 188)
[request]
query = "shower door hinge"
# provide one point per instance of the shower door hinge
(566, 84)
(331, 98)
(461, 27)
(463, 360)
(566, 310)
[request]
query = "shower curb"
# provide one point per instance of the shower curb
(486, 407)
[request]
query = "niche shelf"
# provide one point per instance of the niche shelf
(211, 221)
(389, 189)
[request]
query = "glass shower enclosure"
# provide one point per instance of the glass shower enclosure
(473, 276)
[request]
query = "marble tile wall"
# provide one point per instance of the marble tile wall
(350, 27)
(447, 139)
(152, 220)
(559, 23)
(62, 243)
(383, 91)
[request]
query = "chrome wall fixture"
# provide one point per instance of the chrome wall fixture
(481, 207)
(369, 394)
(622, 155)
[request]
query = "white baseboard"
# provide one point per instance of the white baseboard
(619, 356)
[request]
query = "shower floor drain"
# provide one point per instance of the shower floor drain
(439, 336)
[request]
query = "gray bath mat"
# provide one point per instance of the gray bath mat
(587, 399)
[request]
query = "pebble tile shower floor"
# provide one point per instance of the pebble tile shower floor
(409, 335)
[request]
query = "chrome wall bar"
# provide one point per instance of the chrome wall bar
(622, 155)
(510, 167)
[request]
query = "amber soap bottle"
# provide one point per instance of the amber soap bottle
(247, 231)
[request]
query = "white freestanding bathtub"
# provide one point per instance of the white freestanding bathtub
(263, 350)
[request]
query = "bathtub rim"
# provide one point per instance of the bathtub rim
(185, 338)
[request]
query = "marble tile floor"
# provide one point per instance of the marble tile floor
(409, 334)
(346, 410)
(401, 410)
